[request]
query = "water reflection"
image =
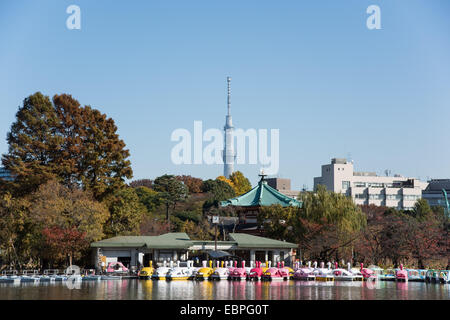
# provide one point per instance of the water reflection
(224, 290)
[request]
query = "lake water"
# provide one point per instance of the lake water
(134, 289)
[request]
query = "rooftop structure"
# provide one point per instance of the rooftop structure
(368, 188)
(249, 205)
(283, 185)
(433, 192)
(262, 195)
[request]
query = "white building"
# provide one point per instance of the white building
(368, 188)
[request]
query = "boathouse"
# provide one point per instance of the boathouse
(248, 205)
(136, 251)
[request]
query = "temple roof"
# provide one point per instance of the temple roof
(261, 196)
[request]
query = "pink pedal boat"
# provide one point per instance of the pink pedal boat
(305, 273)
(256, 273)
(239, 273)
(401, 275)
(275, 274)
(367, 273)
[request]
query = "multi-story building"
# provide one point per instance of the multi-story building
(368, 188)
(283, 185)
(5, 174)
(433, 192)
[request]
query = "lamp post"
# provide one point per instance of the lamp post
(215, 221)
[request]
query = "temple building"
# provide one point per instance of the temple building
(249, 205)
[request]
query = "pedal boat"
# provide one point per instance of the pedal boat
(180, 273)
(220, 273)
(204, 272)
(256, 273)
(368, 274)
(161, 272)
(388, 275)
(305, 273)
(239, 273)
(414, 275)
(324, 274)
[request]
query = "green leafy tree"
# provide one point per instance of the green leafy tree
(240, 182)
(421, 209)
(326, 225)
(151, 199)
(171, 191)
(126, 213)
(18, 232)
(218, 190)
(201, 230)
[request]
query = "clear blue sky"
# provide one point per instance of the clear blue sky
(309, 68)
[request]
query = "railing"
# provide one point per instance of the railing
(9, 272)
(53, 272)
(30, 272)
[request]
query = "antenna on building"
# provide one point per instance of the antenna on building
(349, 157)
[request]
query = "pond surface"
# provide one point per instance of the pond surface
(134, 289)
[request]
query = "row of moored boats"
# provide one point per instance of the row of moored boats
(51, 275)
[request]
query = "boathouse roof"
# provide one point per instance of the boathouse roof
(244, 240)
(261, 196)
(182, 241)
(176, 240)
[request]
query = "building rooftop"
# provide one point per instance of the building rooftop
(261, 196)
(437, 185)
(165, 241)
(182, 241)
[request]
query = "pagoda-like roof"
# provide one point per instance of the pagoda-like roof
(262, 195)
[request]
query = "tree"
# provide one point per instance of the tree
(18, 232)
(421, 209)
(142, 183)
(194, 185)
(126, 213)
(54, 204)
(240, 182)
(424, 238)
(276, 221)
(171, 190)
(230, 183)
(33, 144)
(325, 227)
(153, 227)
(201, 230)
(90, 138)
(77, 145)
(151, 199)
(218, 191)
(63, 242)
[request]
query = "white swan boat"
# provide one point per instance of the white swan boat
(161, 272)
(324, 274)
(222, 272)
(305, 273)
(181, 273)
